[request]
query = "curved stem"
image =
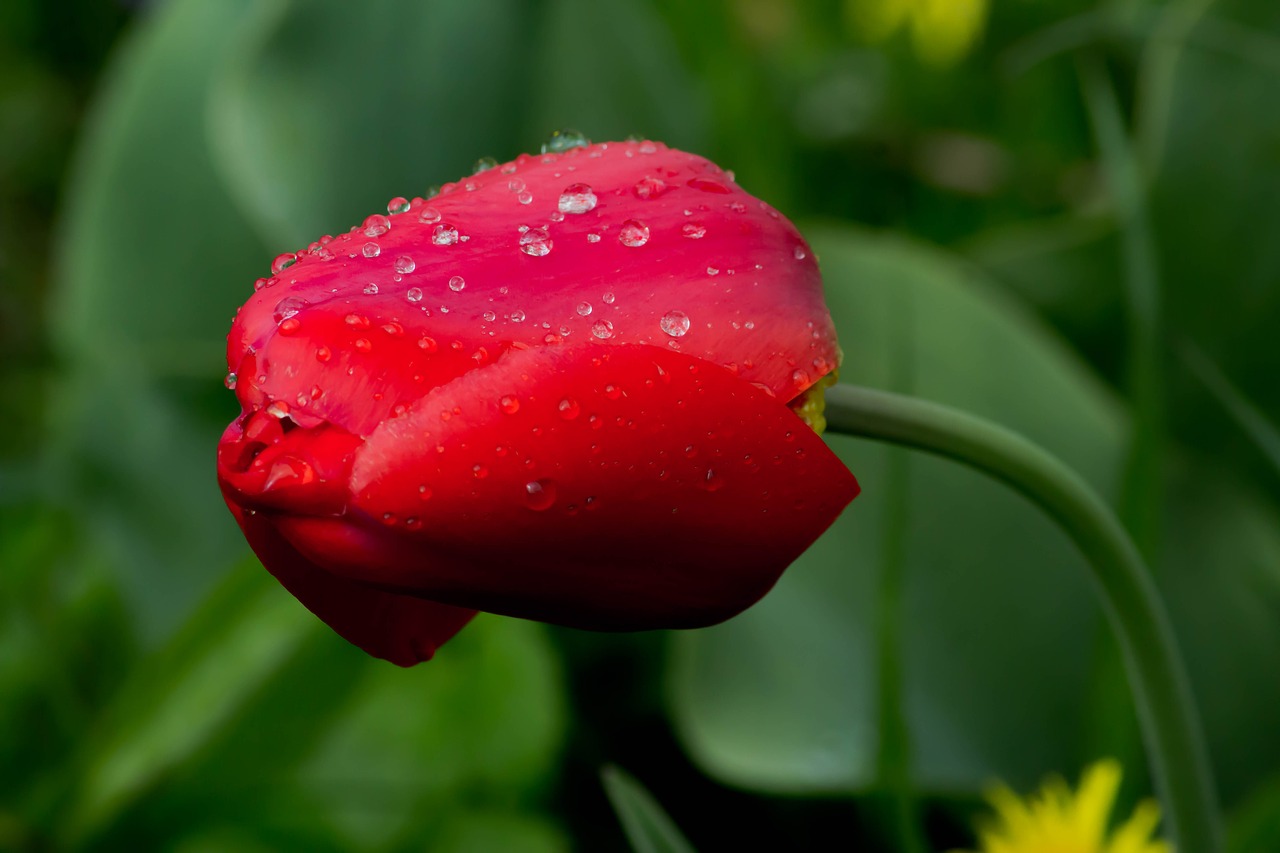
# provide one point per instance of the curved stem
(1162, 696)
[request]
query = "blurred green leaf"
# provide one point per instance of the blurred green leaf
(997, 611)
(1255, 826)
(647, 825)
(325, 115)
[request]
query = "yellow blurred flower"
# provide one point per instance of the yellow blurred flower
(1055, 821)
(942, 31)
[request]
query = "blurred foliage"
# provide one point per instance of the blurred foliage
(158, 690)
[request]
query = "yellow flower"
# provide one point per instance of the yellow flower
(942, 30)
(1055, 821)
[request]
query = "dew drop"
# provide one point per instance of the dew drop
(427, 343)
(713, 482)
(429, 215)
(569, 408)
(633, 233)
(800, 253)
(370, 289)
(593, 238)
(371, 250)
(405, 265)
(517, 316)
(577, 198)
(230, 381)
(509, 404)
(539, 495)
(287, 307)
(675, 323)
(283, 262)
(424, 492)
(524, 197)
(364, 345)
(535, 242)
(484, 164)
(479, 471)
(444, 235)
(278, 409)
(376, 225)
(323, 354)
(693, 230)
(457, 283)
(290, 326)
(563, 140)
(399, 204)
(608, 298)
(647, 188)
(414, 294)
(584, 309)
(602, 329)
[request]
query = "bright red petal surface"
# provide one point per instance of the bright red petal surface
(399, 628)
(608, 487)
(672, 253)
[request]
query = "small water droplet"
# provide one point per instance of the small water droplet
(608, 298)
(287, 307)
(444, 235)
(457, 283)
(426, 343)
(524, 197)
(593, 238)
(563, 140)
(371, 250)
(230, 381)
(515, 185)
(370, 289)
(489, 316)
(376, 225)
(278, 409)
(584, 309)
(602, 329)
(708, 185)
(569, 408)
(414, 294)
(395, 330)
(509, 404)
(613, 392)
(356, 320)
(648, 187)
(282, 262)
(484, 164)
(675, 323)
(479, 471)
(713, 482)
(290, 326)
(399, 204)
(539, 495)
(577, 198)
(800, 253)
(633, 233)
(800, 378)
(693, 230)
(713, 271)
(429, 215)
(405, 265)
(364, 345)
(517, 316)
(424, 492)
(323, 354)
(535, 242)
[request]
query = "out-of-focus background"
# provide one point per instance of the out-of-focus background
(1063, 215)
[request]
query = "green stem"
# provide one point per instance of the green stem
(1162, 695)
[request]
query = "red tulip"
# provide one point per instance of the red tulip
(563, 389)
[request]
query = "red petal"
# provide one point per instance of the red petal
(718, 274)
(607, 487)
(400, 628)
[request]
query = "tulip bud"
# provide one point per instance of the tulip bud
(565, 389)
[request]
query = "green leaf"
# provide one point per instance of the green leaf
(648, 827)
(996, 610)
(1256, 825)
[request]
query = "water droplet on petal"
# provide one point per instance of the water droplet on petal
(426, 343)
(602, 329)
(364, 345)
(535, 242)
(444, 235)
(540, 495)
(287, 307)
(707, 185)
(429, 215)
(479, 471)
(693, 230)
(405, 265)
(457, 283)
(577, 198)
(424, 492)
(289, 326)
(509, 404)
(713, 482)
(283, 262)
(323, 354)
(800, 253)
(608, 298)
(414, 294)
(399, 204)
(517, 316)
(278, 409)
(524, 197)
(370, 289)
(569, 408)
(371, 250)
(593, 238)
(584, 309)
(563, 140)
(230, 381)
(484, 164)
(647, 188)
(675, 323)
(633, 233)
(376, 225)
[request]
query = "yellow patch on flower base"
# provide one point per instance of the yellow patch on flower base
(1055, 821)
(811, 406)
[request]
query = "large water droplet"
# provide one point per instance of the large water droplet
(540, 494)
(282, 262)
(444, 235)
(278, 409)
(287, 307)
(584, 309)
(288, 471)
(484, 164)
(399, 204)
(693, 230)
(563, 140)
(675, 323)
(370, 289)
(405, 265)
(647, 188)
(371, 250)
(290, 326)
(535, 242)
(517, 316)
(429, 215)
(577, 198)
(602, 329)
(414, 294)
(230, 381)
(457, 283)
(608, 298)
(633, 233)
(376, 225)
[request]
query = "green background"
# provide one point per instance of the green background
(1070, 228)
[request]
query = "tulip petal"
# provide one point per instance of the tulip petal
(618, 242)
(399, 628)
(612, 487)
